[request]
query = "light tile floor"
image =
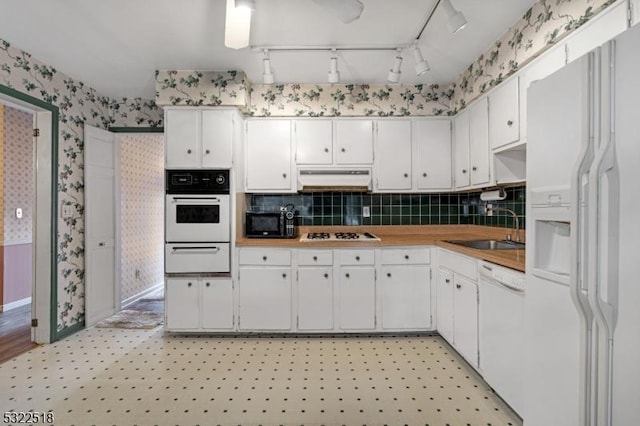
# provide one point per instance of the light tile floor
(146, 377)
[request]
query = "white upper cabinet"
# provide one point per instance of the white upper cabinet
(198, 137)
(479, 143)
(432, 158)
(504, 114)
(313, 141)
(354, 142)
(598, 31)
(545, 65)
(461, 149)
(217, 138)
(268, 166)
(393, 155)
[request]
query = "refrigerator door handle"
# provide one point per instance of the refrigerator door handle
(603, 246)
(578, 237)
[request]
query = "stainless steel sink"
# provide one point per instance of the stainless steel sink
(489, 244)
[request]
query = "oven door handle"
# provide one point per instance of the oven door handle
(196, 248)
(196, 198)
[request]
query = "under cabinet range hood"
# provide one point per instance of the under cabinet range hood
(334, 179)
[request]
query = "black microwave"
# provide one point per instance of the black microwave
(270, 225)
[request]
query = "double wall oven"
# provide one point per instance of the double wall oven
(197, 221)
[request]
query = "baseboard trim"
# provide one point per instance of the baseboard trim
(133, 299)
(16, 304)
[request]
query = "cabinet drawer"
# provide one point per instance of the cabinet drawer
(406, 256)
(270, 256)
(196, 257)
(356, 257)
(459, 264)
(315, 257)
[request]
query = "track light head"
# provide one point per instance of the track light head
(246, 4)
(422, 66)
(334, 74)
(267, 73)
(455, 19)
(394, 72)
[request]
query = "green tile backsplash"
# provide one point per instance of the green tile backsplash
(345, 208)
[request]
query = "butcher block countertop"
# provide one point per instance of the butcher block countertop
(406, 236)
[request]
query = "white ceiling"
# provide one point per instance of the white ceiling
(116, 45)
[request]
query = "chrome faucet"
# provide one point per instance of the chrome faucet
(516, 221)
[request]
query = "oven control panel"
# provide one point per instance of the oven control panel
(197, 181)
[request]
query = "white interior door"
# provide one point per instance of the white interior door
(100, 276)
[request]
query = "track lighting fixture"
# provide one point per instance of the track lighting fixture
(455, 19)
(334, 74)
(394, 72)
(267, 74)
(421, 66)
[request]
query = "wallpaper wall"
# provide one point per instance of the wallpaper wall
(18, 179)
(142, 213)
(79, 104)
(540, 27)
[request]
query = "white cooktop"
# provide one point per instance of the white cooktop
(338, 236)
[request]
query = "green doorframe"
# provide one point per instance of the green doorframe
(54, 334)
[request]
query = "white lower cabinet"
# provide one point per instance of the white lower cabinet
(315, 298)
(265, 298)
(199, 303)
(457, 303)
(356, 298)
(405, 289)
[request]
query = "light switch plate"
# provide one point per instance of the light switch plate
(67, 211)
(19, 213)
(366, 212)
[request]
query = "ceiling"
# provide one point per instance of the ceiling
(116, 45)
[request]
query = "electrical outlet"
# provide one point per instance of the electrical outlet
(137, 274)
(19, 213)
(67, 211)
(489, 209)
(366, 212)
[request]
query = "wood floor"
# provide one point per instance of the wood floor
(15, 332)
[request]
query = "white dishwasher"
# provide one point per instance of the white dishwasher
(501, 332)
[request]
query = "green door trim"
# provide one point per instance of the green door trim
(54, 334)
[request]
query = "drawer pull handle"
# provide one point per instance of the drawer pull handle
(447, 280)
(406, 175)
(188, 151)
(389, 274)
(424, 175)
(346, 275)
(315, 258)
(208, 284)
(264, 258)
(464, 170)
(406, 257)
(509, 123)
(326, 275)
(284, 275)
(458, 286)
(343, 150)
(284, 175)
(358, 258)
(474, 168)
(188, 284)
(326, 150)
(207, 151)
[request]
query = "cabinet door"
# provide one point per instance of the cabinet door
(217, 138)
(432, 162)
(313, 140)
(315, 298)
(465, 313)
(479, 142)
(354, 141)
(182, 133)
(182, 303)
(504, 114)
(461, 149)
(444, 304)
(268, 155)
(405, 297)
(356, 298)
(216, 309)
(393, 155)
(265, 298)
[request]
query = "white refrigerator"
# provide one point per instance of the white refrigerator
(582, 309)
